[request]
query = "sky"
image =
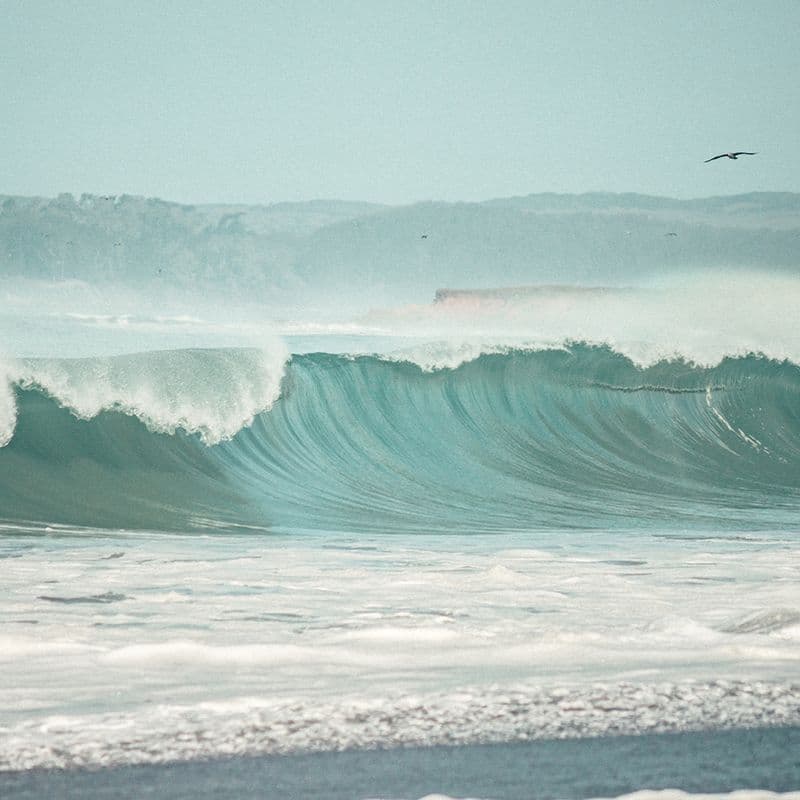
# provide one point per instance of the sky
(397, 102)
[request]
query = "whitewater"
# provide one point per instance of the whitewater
(540, 513)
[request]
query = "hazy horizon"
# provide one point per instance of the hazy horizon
(77, 194)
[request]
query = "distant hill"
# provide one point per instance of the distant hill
(392, 253)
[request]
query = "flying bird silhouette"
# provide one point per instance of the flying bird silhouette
(734, 156)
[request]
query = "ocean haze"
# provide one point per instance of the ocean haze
(366, 254)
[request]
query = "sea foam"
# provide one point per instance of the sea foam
(8, 405)
(211, 393)
(260, 726)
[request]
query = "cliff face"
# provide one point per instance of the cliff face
(402, 253)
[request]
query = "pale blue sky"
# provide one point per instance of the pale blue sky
(397, 101)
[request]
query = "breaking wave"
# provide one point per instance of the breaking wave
(572, 437)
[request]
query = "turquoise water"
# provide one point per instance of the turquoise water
(406, 529)
(576, 437)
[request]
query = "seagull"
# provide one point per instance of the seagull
(734, 156)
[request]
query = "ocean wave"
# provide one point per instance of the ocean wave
(577, 436)
(211, 393)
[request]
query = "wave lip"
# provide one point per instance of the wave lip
(128, 441)
(211, 393)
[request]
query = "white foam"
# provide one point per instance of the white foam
(431, 356)
(403, 636)
(212, 393)
(185, 653)
(271, 643)
(8, 405)
(13, 648)
(252, 726)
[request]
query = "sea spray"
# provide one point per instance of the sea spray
(211, 393)
(701, 318)
(8, 405)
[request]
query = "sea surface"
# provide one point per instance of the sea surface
(428, 533)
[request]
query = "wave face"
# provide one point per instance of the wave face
(576, 437)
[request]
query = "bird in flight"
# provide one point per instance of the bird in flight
(734, 156)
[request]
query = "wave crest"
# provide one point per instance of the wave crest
(211, 393)
(574, 437)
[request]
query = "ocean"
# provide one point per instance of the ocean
(554, 525)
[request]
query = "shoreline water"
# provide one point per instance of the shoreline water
(766, 759)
